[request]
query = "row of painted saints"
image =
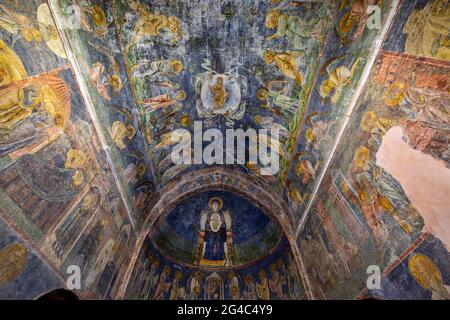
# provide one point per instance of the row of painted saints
(215, 250)
(280, 282)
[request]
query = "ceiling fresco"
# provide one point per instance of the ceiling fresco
(94, 44)
(286, 65)
(58, 192)
(347, 51)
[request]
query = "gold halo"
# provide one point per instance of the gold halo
(272, 19)
(176, 65)
(216, 199)
(361, 157)
(98, 16)
(262, 94)
(422, 268)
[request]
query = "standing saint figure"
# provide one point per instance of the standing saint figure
(215, 242)
(219, 93)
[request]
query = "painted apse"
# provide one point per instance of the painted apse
(384, 198)
(57, 189)
(223, 248)
(252, 233)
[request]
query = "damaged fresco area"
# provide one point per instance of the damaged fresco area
(387, 185)
(56, 185)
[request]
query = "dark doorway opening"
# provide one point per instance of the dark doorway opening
(58, 294)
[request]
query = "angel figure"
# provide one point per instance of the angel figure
(156, 69)
(286, 63)
(154, 25)
(293, 27)
(269, 124)
(163, 101)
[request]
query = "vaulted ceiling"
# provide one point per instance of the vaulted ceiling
(287, 65)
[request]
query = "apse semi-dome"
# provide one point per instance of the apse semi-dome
(216, 229)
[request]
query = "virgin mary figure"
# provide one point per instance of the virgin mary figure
(215, 243)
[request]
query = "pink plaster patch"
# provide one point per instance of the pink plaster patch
(425, 180)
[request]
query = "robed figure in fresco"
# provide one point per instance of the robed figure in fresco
(215, 243)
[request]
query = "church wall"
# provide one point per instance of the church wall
(57, 190)
(386, 188)
(24, 275)
(254, 233)
(406, 280)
